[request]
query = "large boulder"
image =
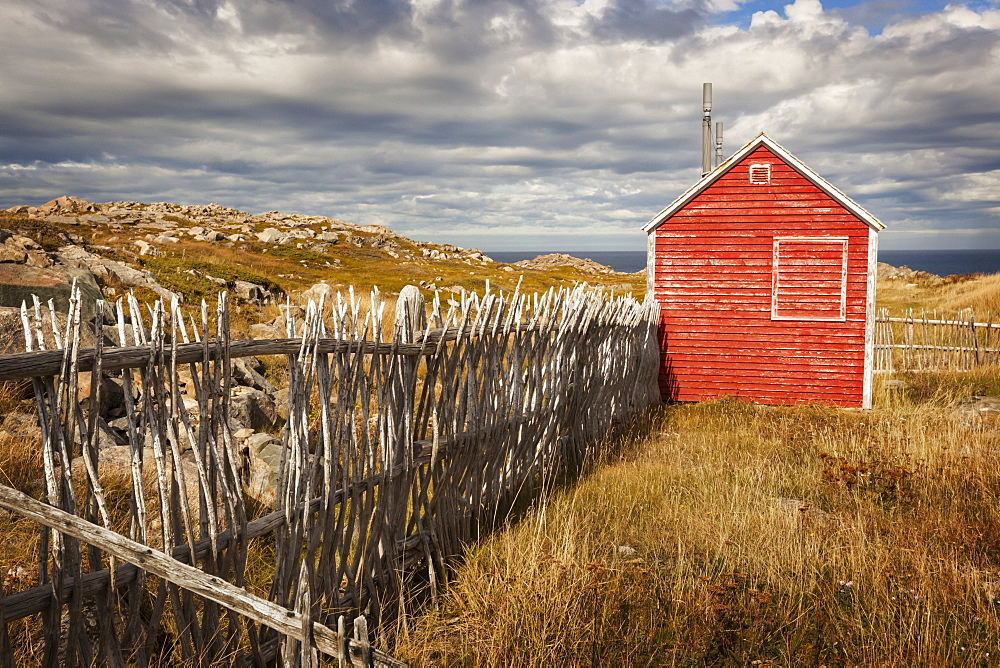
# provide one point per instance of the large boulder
(251, 408)
(320, 290)
(262, 453)
(251, 292)
(12, 330)
(66, 204)
(20, 278)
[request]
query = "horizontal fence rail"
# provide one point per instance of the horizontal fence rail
(934, 341)
(406, 439)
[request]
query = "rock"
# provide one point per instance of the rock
(904, 273)
(265, 331)
(162, 239)
(112, 398)
(107, 437)
(977, 411)
(317, 291)
(563, 260)
(252, 408)
(19, 281)
(247, 371)
(263, 466)
(477, 255)
(257, 441)
(251, 292)
(66, 204)
(281, 402)
(271, 236)
(117, 272)
(10, 252)
(378, 229)
(12, 331)
(148, 249)
(21, 424)
(262, 453)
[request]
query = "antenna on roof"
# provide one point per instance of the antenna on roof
(706, 129)
(718, 143)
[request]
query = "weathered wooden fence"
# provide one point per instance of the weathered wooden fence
(934, 341)
(397, 452)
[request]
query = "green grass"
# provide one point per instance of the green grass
(168, 266)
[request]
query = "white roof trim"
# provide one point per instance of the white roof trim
(778, 150)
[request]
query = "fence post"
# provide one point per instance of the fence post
(397, 437)
(361, 638)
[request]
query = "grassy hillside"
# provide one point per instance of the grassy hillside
(292, 267)
(978, 292)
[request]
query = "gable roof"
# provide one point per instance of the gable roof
(793, 162)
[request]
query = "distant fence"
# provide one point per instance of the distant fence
(397, 452)
(934, 341)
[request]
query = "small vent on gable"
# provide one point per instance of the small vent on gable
(760, 174)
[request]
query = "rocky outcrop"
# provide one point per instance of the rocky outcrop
(67, 205)
(26, 270)
(553, 260)
(904, 273)
(162, 224)
(107, 271)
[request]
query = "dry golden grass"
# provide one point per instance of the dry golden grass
(981, 293)
(733, 533)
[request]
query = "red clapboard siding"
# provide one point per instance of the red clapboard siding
(763, 290)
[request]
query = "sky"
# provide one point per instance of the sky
(501, 124)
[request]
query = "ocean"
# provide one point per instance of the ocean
(940, 262)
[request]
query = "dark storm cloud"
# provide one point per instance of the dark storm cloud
(645, 20)
(345, 21)
(877, 14)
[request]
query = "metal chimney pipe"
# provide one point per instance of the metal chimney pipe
(706, 129)
(718, 143)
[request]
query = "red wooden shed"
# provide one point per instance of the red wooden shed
(765, 276)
